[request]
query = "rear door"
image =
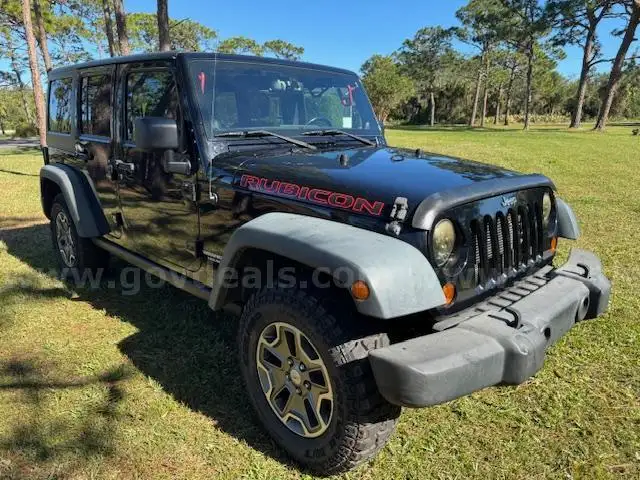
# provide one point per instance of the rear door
(94, 146)
(159, 208)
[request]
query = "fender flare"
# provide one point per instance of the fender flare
(81, 198)
(399, 276)
(567, 222)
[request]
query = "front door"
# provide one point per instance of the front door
(159, 209)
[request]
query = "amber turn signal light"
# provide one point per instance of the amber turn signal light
(554, 244)
(360, 290)
(449, 291)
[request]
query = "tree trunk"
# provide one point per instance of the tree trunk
(576, 120)
(498, 102)
(432, 100)
(42, 35)
(507, 103)
(38, 96)
(108, 26)
(21, 86)
(121, 27)
(618, 65)
(484, 105)
(164, 41)
(476, 99)
(529, 91)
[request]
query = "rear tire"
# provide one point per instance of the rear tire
(360, 421)
(75, 254)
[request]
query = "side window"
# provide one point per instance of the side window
(150, 94)
(60, 93)
(95, 105)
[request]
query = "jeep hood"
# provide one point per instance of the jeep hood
(375, 174)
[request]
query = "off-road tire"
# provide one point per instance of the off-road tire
(88, 256)
(362, 419)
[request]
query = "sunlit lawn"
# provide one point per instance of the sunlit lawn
(94, 384)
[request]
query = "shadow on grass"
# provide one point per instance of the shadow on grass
(22, 174)
(180, 343)
(36, 438)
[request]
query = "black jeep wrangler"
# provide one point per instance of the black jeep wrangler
(368, 278)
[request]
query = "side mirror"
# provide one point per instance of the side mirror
(156, 133)
(161, 135)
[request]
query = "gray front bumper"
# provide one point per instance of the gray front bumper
(501, 341)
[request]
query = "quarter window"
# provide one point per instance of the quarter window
(150, 94)
(95, 105)
(60, 93)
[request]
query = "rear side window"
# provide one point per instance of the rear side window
(60, 94)
(150, 94)
(95, 105)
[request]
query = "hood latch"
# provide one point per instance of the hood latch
(398, 215)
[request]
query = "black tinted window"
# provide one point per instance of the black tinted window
(95, 105)
(150, 94)
(60, 92)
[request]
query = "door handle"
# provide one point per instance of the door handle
(82, 151)
(125, 167)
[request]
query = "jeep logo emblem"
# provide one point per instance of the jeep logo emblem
(509, 201)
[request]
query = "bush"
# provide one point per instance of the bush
(25, 130)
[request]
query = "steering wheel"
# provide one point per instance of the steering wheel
(319, 121)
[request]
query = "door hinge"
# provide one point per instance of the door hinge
(190, 191)
(199, 248)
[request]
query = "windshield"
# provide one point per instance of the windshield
(247, 96)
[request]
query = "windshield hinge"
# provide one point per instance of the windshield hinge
(398, 215)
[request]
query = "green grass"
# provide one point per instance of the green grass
(94, 384)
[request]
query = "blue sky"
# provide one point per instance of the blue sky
(342, 33)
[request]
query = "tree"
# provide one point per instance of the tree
(164, 40)
(35, 72)
(282, 49)
(479, 19)
(633, 8)
(277, 48)
(108, 27)
(577, 23)
(421, 59)
(186, 35)
(121, 27)
(524, 25)
(240, 45)
(42, 35)
(385, 84)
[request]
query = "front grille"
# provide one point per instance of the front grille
(507, 242)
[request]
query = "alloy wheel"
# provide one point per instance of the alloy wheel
(295, 380)
(64, 239)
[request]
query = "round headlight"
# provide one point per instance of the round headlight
(444, 241)
(547, 206)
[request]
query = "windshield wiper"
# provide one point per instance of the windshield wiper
(327, 133)
(266, 133)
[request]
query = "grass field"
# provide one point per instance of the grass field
(94, 384)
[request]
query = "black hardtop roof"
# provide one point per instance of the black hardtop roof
(148, 57)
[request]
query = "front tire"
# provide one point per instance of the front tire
(305, 365)
(75, 254)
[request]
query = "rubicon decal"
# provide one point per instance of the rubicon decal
(314, 195)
